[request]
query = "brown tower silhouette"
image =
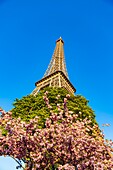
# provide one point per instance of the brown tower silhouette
(56, 74)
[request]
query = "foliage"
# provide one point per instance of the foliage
(30, 106)
(64, 143)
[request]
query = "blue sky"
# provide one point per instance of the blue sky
(28, 31)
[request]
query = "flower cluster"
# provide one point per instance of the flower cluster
(64, 143)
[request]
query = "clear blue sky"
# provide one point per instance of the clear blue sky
(28, 31)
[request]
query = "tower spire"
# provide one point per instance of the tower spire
(56, 74)
(57, 62)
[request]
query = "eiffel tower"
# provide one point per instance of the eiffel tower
(56, 74)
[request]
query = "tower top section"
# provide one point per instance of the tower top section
(56, 73)
(57, 62)
(60, 39)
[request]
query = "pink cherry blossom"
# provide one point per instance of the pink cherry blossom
(65, 142)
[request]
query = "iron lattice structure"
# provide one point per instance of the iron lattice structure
(57, 62)
(56, 74)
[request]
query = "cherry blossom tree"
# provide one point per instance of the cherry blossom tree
(65, 143)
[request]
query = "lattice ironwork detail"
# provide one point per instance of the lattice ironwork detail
(56, 75)
(57, 62)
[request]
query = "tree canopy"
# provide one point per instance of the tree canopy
(30, 106)
(63, 144)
